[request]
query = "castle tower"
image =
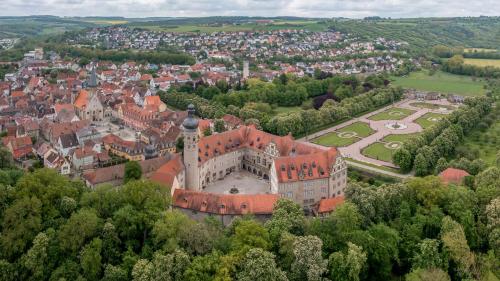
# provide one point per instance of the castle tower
(190, 132)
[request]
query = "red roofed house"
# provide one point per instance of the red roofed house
(225, 207)
(328, 205)
(452, 175)
(20, 147)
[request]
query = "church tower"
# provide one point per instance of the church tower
(190, 132)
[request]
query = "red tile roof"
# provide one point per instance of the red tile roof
(225, 204)
(82, 99)
(452, 175)
(329, 204)
(166, 173)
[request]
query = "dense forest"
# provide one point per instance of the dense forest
(56, 229)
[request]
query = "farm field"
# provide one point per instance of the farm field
(441, 82)
(394, 113)
(483, 62)
(429, 119)
(474, 50)
(277, 25)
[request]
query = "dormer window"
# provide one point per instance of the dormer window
(292, 166)
(206, 145)
(244, 206)
(258, 139)
(282, 167)
(222, 206)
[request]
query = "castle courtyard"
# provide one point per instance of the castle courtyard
(245, 182)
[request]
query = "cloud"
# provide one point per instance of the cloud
(303, 8)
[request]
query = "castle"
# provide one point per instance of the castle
(298, 171)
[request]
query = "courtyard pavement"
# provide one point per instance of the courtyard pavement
(245, 182)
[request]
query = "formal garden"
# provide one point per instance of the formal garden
(384, 148)
(346, 135)
(429, 119)
(394, 113)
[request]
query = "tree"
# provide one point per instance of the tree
(90, 259)
(347, 266)
(6, 159)
(161, 267)
(308, 265)
(207, 131)
(259, 265)
(428, 257)
(455, 244)
(402, 158)
(421, 165)
(35, 260)
(114, 273)
(249, 234)
(133, 171)
(288, 216)
(441, 165)
(219, 126)
(432, 274)
(79, 228)
(203, 268)
(179, 145)
(21, 223)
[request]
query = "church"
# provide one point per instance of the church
(295, 170)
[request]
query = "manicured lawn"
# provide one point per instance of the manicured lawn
(482, 62)
(378, 151)
(429, 119)
(431, 105)
(394, 113)
(400, 138)
(332, 139)
(360, 128)
(385, 168)
(441, 82)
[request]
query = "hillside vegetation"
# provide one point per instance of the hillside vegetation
(422, 33)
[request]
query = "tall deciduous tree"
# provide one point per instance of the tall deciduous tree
(309, 264)
(259, 265)
(133, 171)
(347, 266)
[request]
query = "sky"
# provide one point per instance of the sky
(301, 8)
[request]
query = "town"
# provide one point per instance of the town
(242, 148)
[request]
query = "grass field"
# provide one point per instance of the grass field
(483, 62)
(111, 22)
(431, 105)
(378, 151)
(332, 139)
(360, 128)
(487, 143)
(441, 82)
(344, 136)
(400, 138)
(394, 113)
(429, 119)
